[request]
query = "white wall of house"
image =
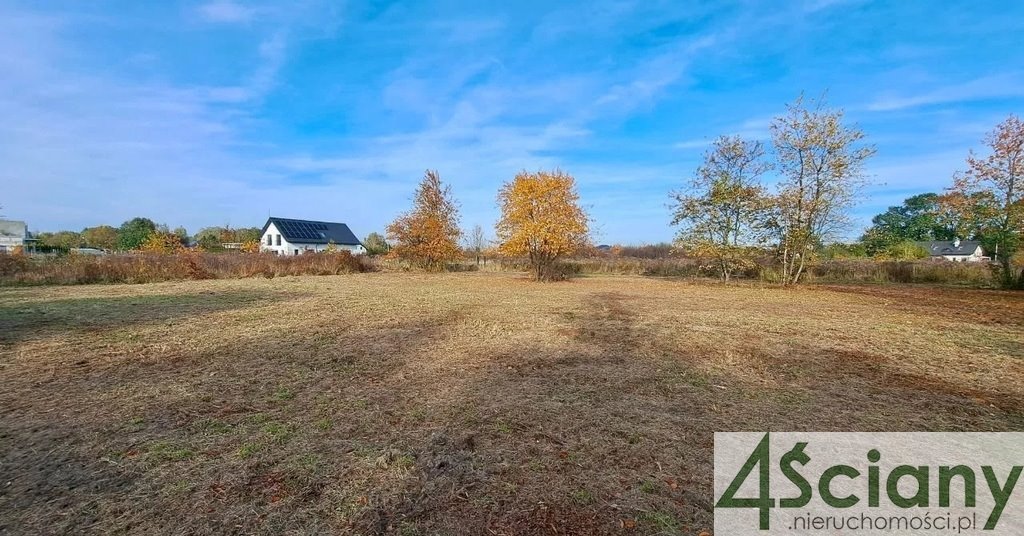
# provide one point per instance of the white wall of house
(279, 245)
(13, 234)
(976, 256)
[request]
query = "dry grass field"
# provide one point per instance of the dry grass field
(473, 403)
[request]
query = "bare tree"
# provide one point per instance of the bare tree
(477, 242)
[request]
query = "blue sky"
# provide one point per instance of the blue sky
(223, 112)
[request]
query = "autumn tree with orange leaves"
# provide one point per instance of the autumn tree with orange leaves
(995, 185)
(428, 235)
(541, 218)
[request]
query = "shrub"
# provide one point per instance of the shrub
(12, 264)
(906, 250)
(764, 268)
(926, 271)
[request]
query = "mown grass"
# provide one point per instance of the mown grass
(459, 403)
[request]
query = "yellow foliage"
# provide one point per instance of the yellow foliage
(541, 218)
(162, 243)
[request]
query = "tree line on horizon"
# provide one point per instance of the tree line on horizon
(726, 214)
(729, 217)
(143, 234)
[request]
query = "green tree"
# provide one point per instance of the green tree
(134, 233)
(903, 251)
(60, 240)
(725, 209)
(101, 236)
(375, 244)
(247, 234)
(182, 235)
(209, 238)
(919, 218)
(840, 250)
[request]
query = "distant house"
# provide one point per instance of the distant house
(295, 237)
(14, 234)
(87, 251)
(955, 250)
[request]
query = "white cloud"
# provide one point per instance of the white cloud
(226, 11)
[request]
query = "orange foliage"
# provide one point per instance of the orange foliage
(992, 184)
(541, 218)
(428, 235)
(251, 246)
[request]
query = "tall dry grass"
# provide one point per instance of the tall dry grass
(764, 269)
(975, 274)
(146, 268)
(149, 268)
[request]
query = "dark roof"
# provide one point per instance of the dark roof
(313, 232)
(936, 248)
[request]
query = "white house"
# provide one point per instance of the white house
(13, 234)
(955, 250)
(295, 237)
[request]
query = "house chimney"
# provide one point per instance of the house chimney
(956, 242)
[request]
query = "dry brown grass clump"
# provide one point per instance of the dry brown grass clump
(765, 269)
(472, 403)
(182, 265)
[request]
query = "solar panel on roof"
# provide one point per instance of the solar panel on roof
(315, 231)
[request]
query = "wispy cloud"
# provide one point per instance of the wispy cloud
(812, 6)
(752, 129)
(226, 11)
(1009, 85)
(272, 57)
(650, 78)
(327, 110)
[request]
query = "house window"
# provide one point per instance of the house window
(296, 252)
(269, 238)
(279, 240)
